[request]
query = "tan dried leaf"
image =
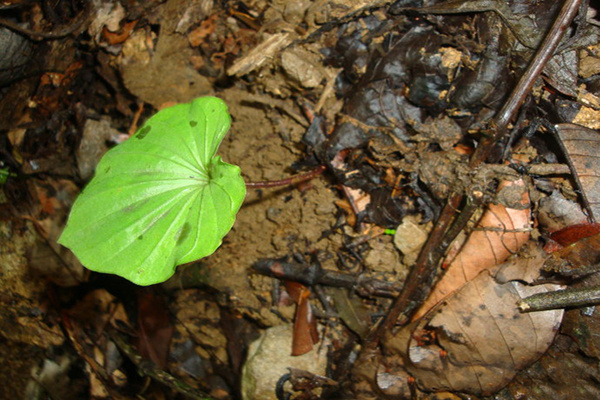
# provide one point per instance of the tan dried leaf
(582, 146)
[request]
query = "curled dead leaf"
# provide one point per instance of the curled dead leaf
(305, 323)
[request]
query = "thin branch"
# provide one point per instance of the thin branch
(77, 22)
(533, 71)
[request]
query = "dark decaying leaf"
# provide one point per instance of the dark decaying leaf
(476, 340)
(352, 311)
(16, 52)
(154, 328)
(528, 31)
(377, 102)
(582, 149)
(561, 72)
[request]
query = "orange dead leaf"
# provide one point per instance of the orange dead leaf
(58, 79)
(345, 205)
(119, 37)
(208, 26)
(500, 233)
(463, 149)
(48, 201)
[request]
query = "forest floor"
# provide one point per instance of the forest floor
(401, 104)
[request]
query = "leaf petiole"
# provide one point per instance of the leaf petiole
(292, 180)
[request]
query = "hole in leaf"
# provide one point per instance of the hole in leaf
(143, 132)
(184, 232)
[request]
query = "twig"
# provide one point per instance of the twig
(328, 90)
(577, 297)
(419, 281)
(313, 274)
(535, 169)
(150, 369)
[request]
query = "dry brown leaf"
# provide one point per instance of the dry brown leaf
(47, 258)
(477, 340)
(501, 232)
(582, 148)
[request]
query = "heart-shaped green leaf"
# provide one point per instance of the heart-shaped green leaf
(160, 199)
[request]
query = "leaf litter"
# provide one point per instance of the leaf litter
(396, 98)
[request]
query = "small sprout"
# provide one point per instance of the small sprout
(4, 175)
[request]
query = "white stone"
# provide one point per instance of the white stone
(269, 358)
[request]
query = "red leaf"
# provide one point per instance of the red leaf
(574, 233)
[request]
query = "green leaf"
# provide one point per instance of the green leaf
(160, 199)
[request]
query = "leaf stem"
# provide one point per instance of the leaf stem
(287, 181)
